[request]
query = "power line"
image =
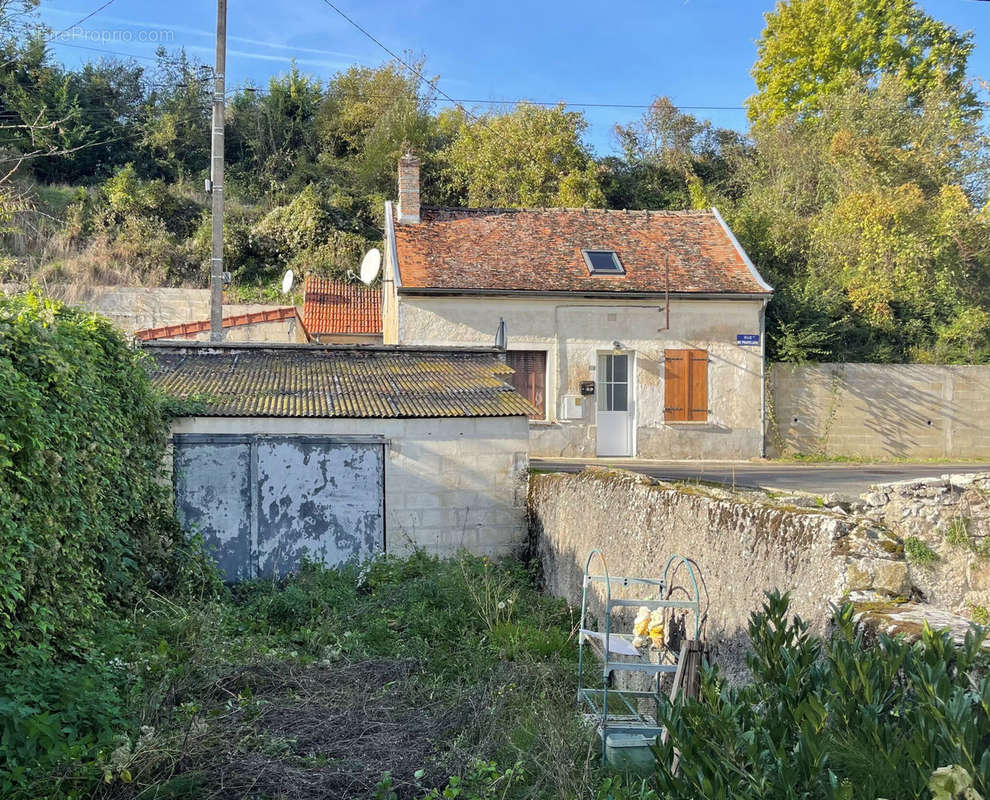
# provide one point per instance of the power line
(407, 65)
(68, 150)
(79, 22)
(75, 24)
(103, 50)
(431, 83)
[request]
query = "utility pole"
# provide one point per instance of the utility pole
(216, 177)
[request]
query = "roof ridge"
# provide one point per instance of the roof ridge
(199, 326)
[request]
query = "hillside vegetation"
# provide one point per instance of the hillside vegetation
(859, 188)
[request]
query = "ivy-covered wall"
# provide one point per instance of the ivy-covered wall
(83, 520)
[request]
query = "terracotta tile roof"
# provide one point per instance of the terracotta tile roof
(185, 329)
(540, 250)
(339, 307)
(344, 381)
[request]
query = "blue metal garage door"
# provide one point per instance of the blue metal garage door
(262, 503)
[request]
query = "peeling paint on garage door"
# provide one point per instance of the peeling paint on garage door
(262, 503)
(213, 497)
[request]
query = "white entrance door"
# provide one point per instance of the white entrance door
(615, 406)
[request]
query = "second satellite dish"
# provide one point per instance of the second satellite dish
(370, 264)
(287, 282)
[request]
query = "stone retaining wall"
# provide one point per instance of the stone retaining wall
(950, 516)
(742, 544)
(879, 410)
(745, 543)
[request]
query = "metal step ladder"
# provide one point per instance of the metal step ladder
(619, 711)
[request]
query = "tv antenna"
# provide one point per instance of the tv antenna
(287, 280)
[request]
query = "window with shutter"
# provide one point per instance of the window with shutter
(530, 377)
(685, 386)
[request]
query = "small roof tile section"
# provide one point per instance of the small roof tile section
(326, 381)
(339, 307)
(541, 250)
(184, 329)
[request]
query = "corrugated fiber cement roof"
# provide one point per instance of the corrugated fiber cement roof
(336, 382)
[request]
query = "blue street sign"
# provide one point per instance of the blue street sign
(748, 339)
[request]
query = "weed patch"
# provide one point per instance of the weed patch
(441, 673)
(918, 552)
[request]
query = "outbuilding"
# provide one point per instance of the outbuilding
(335, 453)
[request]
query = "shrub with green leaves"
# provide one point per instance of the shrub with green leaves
(832, 719)
(84, 519)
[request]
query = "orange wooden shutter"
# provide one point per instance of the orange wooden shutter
(697, 386)
(675, 381)
(685, 386)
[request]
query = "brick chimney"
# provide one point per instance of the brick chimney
(409, 190)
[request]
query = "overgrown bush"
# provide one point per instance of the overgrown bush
(84, 518)
(832, 719)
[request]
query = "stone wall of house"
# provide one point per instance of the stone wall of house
(745, 543)
(879, 410)
(575, 332)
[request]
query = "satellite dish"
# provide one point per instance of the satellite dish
(287, 281)
(370, 264)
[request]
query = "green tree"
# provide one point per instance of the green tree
(870, 222)
(176, 134)
(273, 139)
(531, 156)
(369, 117)
(810, 49)
(671, 160)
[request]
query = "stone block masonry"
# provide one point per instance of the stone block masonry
(743, 544)
(946, 522)
(746, 543)
(879, 410)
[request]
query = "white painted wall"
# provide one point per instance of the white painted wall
(450, 483)
(575, 331)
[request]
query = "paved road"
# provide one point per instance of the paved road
(843, 479)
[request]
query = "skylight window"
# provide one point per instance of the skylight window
(603, 262)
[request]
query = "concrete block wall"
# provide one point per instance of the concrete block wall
(458, 483)
(283, 330)
(879, 410)
(134, 308)
(450, 483)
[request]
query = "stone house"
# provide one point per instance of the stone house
(632, 333)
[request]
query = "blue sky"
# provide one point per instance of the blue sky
(698, 52)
